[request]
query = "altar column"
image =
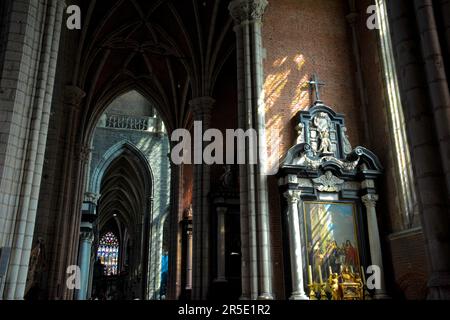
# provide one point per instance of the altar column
(295, 247)
(201, 109)
(221, 212)
(256, 250)
(374, 241)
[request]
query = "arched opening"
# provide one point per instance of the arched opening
(129, 175)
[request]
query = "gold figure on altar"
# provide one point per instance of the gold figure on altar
(352, 286)
(333, 287)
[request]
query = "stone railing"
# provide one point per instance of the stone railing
(147, 124)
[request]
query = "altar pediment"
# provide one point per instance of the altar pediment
(323, 145)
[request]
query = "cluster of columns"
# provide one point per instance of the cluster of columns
(30, 53)
(420, 50)
(255, 233)
(256, 270)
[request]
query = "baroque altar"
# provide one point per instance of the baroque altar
(328, 195)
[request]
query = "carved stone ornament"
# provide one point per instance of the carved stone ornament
(313, 163)
(347, 145)
(323, 145)
(328, 183)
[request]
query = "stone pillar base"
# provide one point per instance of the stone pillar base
(265, 296)
(298, 296)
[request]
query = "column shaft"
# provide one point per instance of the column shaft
(201, 108)
(189, 261)
(84, 262)
(221, 212)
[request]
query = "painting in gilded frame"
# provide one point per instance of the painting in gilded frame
(331, 237)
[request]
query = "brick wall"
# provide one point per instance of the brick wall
(410, 271)
(302, 38)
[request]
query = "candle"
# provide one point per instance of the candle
(351, 269)
(330, 271)
(310, 275)
(320, 274)
(363, 275)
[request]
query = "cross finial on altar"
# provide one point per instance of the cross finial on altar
(315, 85)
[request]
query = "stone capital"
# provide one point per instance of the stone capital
(73, 96)
(292, 196)
(87, 236)
(91, 197)
(187, 213)
(84, 152)
(370, 200)
(247, 10)
(222, 210)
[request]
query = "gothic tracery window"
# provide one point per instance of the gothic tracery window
(108, 253)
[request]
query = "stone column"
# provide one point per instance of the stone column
(295, 246)
(201, 109)
(70, 195)
(88, 216)
(189, 260)
(221, 212)
(370, 201)
(84, 261)
(256, 259)
(174, 274)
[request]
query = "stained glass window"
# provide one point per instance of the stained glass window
(108, 253)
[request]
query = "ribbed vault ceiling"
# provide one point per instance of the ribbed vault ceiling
(123, 192)
(170, 50)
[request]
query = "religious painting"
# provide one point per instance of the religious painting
(332, 245)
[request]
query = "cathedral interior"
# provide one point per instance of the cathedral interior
(348, 198)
